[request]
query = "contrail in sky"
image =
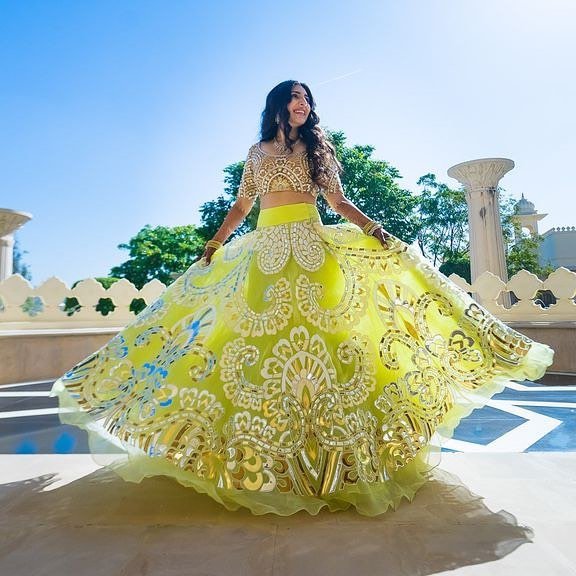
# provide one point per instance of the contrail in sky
(339, 77)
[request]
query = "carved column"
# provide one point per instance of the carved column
(10, 221)
(480, 179)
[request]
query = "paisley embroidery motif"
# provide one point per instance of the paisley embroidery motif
(110, 382)
(274, 249)
(307, 247)
(237, 387)
(299, 240)
(249, 469)
(355, 352)
(152, 313)
(198, 283)
(345, 313)
(275, 318)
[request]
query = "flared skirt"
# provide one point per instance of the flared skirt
(305, 366)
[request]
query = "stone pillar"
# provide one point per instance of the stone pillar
(6, 256)
(10, 221)
(480, 179)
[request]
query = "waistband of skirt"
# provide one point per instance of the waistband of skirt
(287, 213)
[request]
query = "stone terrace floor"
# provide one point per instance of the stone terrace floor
(503, 503)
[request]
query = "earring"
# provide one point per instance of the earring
(277, 118)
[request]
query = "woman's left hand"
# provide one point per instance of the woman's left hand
(207, 255)
(382, 236)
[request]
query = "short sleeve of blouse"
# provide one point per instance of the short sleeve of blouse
(333, 184)
(248, 187)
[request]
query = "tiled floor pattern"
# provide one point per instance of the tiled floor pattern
(524, 417)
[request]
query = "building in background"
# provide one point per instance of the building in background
(558, 247)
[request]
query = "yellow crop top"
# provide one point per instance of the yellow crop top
(264, 173)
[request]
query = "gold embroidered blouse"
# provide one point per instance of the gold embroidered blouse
(264, 173)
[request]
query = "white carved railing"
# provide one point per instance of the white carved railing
(23, 307)
(526, 288)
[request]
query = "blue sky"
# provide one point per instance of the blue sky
(115, 113)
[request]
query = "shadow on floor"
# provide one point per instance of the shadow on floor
(101, 525)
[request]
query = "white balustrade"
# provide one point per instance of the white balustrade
(23, 307)
(527, 288)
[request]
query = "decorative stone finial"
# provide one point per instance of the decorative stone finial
(11, 220)
(481, 174)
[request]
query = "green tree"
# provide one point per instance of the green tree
(106, 281)
(18, 265)
(372, 185)
(523, 254)
(158, 253)
(443, 220)
(443, 236)
(458, 264)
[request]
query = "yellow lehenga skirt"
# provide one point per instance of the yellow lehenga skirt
(306, 366)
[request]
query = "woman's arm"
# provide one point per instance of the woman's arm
(334, 194)
(247, 194)
(233, 219)
(347, 209)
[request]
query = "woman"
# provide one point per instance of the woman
(300, 365)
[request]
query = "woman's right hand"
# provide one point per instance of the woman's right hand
(207, 255)
(382, 235)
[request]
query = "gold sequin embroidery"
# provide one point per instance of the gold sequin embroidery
(266, 173)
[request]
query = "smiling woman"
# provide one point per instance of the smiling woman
(299, 366)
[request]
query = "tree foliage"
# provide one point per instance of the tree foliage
(443, 220)
(457, 265)
(372, 185)
(523, 254)
(18, 265)
(444, 239)
(158, 253)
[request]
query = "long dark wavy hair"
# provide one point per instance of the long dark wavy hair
(321, 153)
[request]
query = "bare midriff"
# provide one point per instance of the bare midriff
(283, 197)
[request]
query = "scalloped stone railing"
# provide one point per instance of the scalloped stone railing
(40, 339)
(531, 295)
(23, 307)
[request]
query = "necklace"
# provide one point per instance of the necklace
(280, 147)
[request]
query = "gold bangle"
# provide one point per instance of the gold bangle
(213, 244)
(367, 226)
(371, 227)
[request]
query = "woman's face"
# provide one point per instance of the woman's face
(298, 107)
